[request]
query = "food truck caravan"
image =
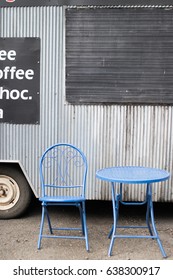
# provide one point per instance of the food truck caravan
(96, 74)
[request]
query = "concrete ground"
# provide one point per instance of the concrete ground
(19, 236)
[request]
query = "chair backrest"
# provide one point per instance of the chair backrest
(63, 170)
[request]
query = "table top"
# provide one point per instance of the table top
(132, 174)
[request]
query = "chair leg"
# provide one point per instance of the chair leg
(81, 216)
(48, 220)
(83, 222)
(85, 226)
(41, 227)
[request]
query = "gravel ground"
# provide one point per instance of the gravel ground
(19, 236)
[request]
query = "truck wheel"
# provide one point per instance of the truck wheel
(15, 192)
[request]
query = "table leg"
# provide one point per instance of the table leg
(115, 206)
(116, 199)
(151, 214)
(148, 199)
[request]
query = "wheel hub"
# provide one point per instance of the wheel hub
(9, 192)
(2, 191)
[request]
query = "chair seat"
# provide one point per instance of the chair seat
(57, 199)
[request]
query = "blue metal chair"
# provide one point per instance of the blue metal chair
(63, 171)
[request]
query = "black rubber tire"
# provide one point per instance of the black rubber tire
(24, 199)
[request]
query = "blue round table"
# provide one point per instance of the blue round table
(133, 175)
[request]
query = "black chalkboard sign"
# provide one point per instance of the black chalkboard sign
(119, 55)
(20, 80)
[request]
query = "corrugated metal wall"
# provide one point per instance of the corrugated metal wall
(108, 135)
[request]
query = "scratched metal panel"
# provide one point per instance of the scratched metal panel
(108, 135)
